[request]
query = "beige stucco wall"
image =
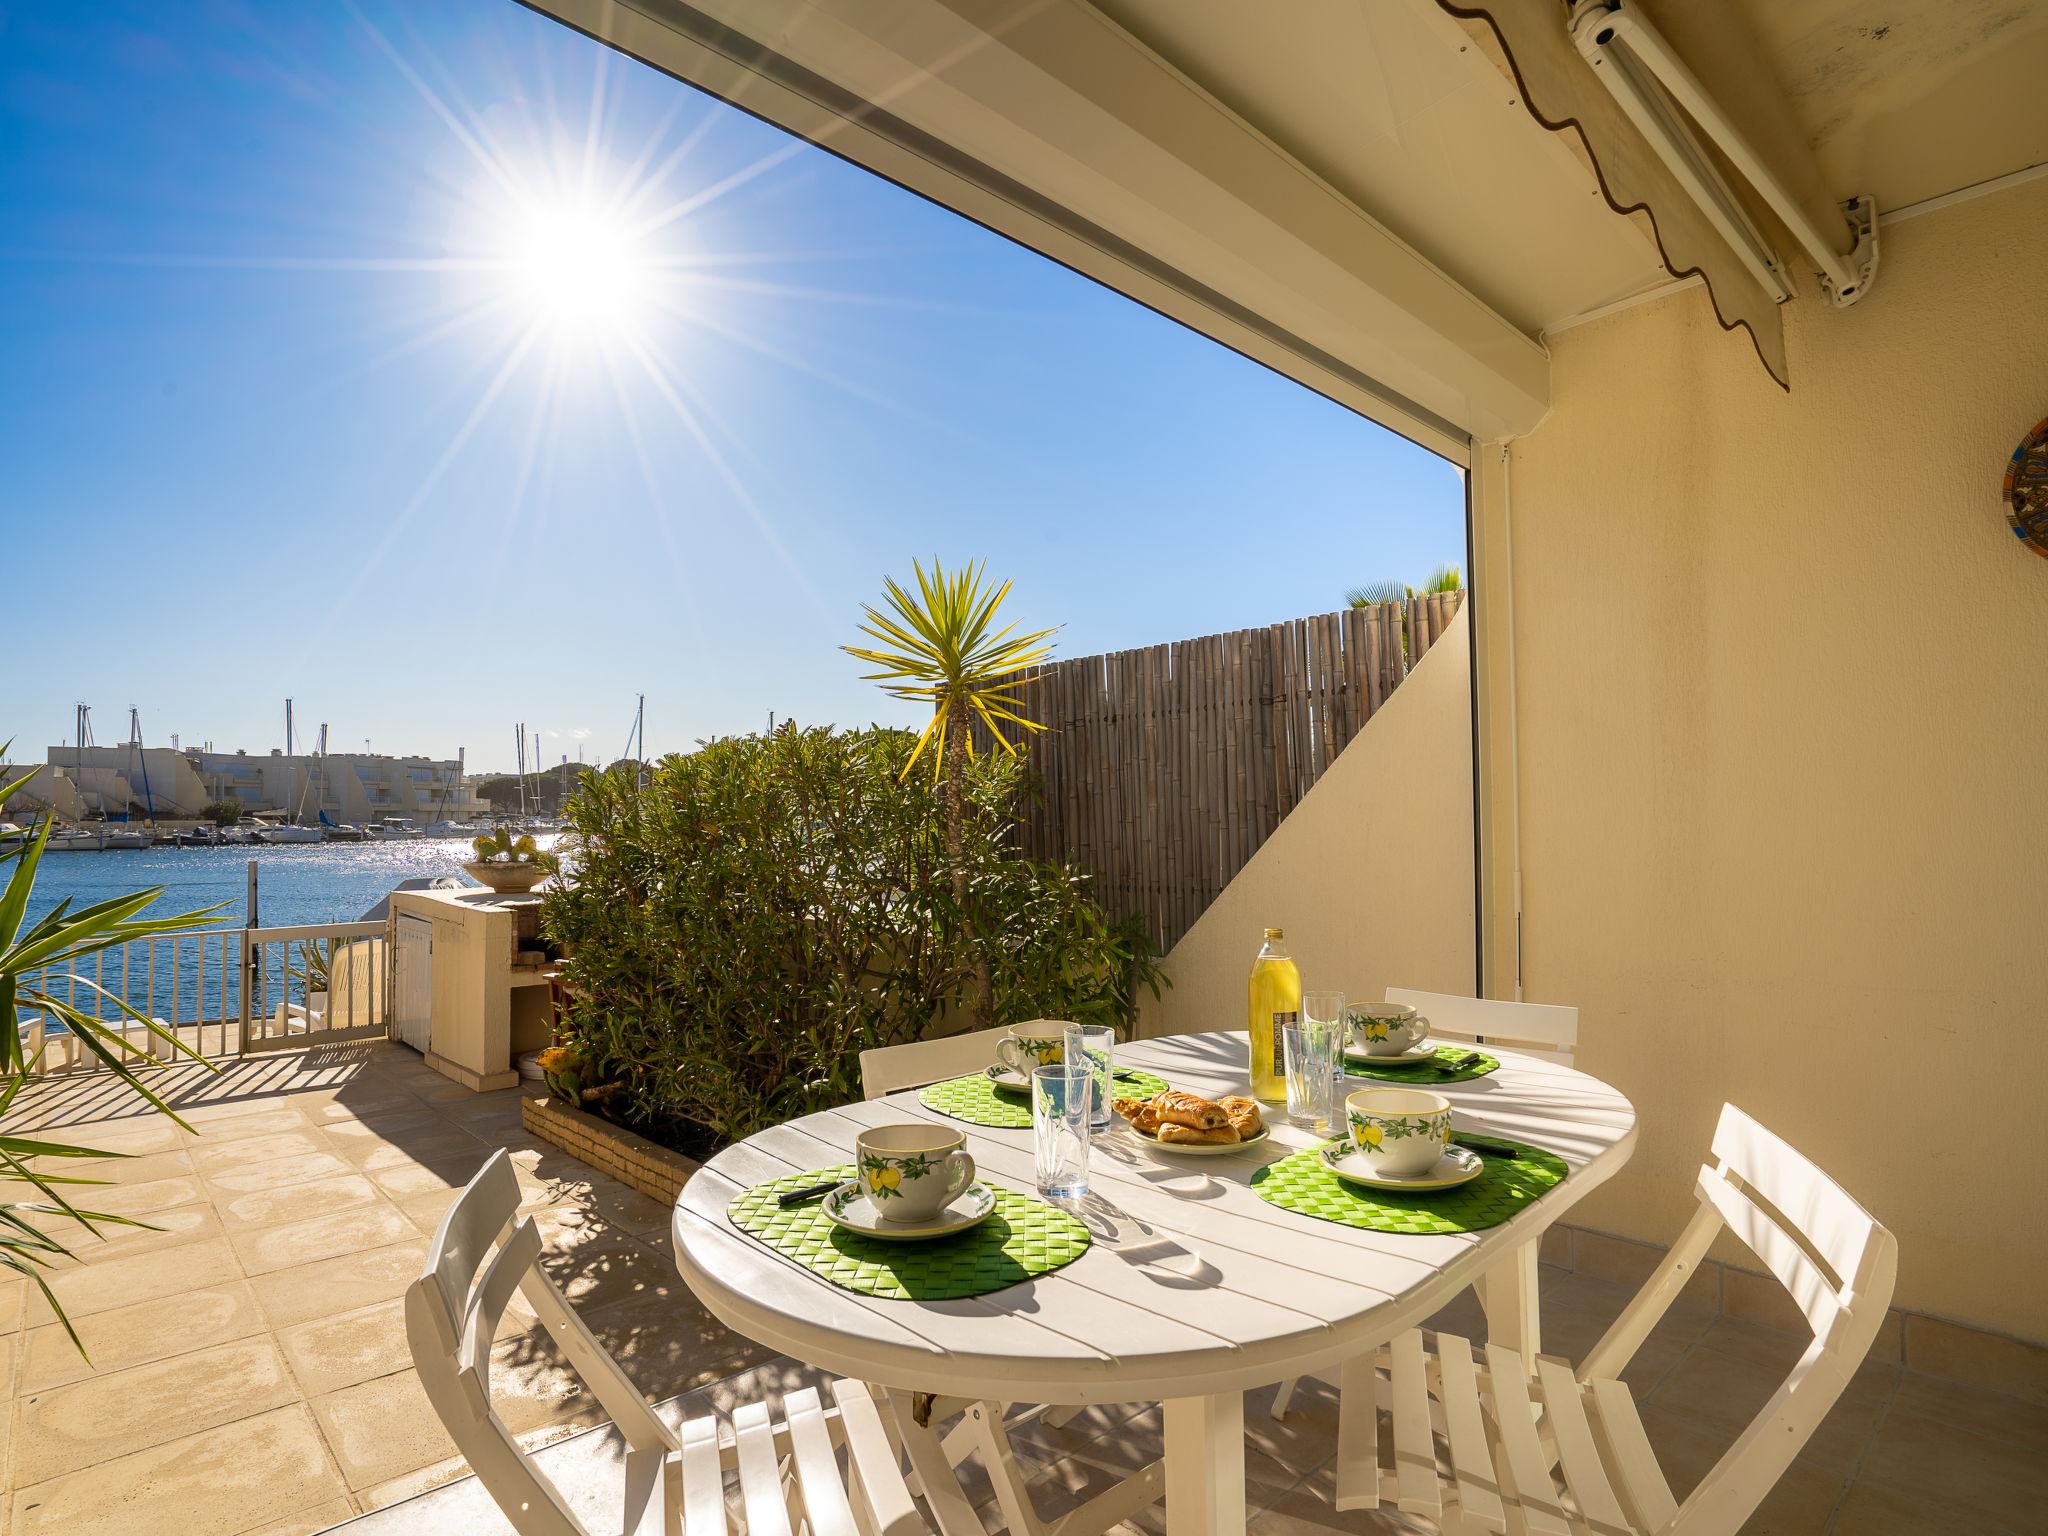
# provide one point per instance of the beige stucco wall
(1783, 727)
(1371, 875)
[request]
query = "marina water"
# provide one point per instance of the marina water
(297, 884)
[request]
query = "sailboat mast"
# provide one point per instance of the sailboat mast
(137, 757)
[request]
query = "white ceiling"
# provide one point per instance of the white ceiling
(1909, 99)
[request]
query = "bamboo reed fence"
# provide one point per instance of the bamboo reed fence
(1163, 770)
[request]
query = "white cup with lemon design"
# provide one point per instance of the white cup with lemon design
(1386, 1029)
(1399, 1130)
(909, 1172)
(1026, 1047)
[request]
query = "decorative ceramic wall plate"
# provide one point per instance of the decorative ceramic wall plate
(2026, 490)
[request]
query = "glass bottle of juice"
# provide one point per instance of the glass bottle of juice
(1275, 1000)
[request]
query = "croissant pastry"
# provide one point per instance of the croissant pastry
(1178, 1107)
(1183, 1134)
(1244, 1115)
(1140, 1112)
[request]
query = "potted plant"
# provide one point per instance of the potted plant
(311, 974)
(509, 864)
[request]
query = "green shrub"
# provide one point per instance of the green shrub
(768, 907)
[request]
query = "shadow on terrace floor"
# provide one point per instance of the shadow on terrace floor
(248, 1359)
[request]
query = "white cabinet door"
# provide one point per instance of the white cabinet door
(414, 992)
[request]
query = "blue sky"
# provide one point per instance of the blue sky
(303, 392)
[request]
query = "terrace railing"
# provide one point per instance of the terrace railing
(223, 992)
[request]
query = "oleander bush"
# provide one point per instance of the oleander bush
(747, 921)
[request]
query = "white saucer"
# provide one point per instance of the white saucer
(1197, 1148)
(1415, 1053)
(1007, 1077)
(847, 1207)
(1457, 1166)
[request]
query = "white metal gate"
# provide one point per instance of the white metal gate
(413, 989)
(313, 985)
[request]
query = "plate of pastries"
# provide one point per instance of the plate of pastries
(1178, 1121)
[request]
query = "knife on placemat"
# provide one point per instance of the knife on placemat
(791, 1197)
(1487, 1148)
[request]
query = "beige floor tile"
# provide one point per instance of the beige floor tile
(156, 1133)
(414, 1483)
(138, 1334)
(141, 1199)
(533, 1386)
(264, 1120)
(330, 1353)
(307, 1522)
(205, 1484)
(425, 1211)
(263, 1249)
(13, 1294)
(135, 1170)
(358, 1104)
(276, 1175)
(218, 1157)
(446, 1149)
(1973, 1410)
(445, 1175)
(1942, 1461)
(297, 1202)
(158, 1229)
(1870, 1510)
(611, 1269)
(624, 1206)
(381, 1429)
(1939, 1348)
(343, 1284)
(565, 1226)
(1722, 1393)
(124, 1280)
(417, 1123)
(443, 1092)
(120, 1412)
(262, 1109)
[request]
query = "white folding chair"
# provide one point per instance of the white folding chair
(893, 1068)
(1543, 1028)
(1507, 1292)
(1556, 1453)
(789, 1472)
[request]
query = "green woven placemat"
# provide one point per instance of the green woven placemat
(978, 1101)
(1302, 1183)
(1025, 1238)
(1421, 1073)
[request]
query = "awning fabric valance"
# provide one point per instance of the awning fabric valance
(1531, 41)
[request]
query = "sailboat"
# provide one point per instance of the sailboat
(292, 831)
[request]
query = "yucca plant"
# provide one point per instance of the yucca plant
(941, 647)
(35, 959)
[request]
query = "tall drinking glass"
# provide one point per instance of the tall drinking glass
(1095, 1044)
(1310, 1046)
(1061, 1096)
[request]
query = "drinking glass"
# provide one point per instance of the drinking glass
(1060, 1098)
(1095, 1044)
(1311, 1044)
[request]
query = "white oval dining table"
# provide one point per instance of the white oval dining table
(1194, 1288)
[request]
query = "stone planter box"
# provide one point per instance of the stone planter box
(631, 1159)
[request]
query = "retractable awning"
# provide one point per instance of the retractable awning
(1392, 203)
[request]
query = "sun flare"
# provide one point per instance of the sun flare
(576, 264)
